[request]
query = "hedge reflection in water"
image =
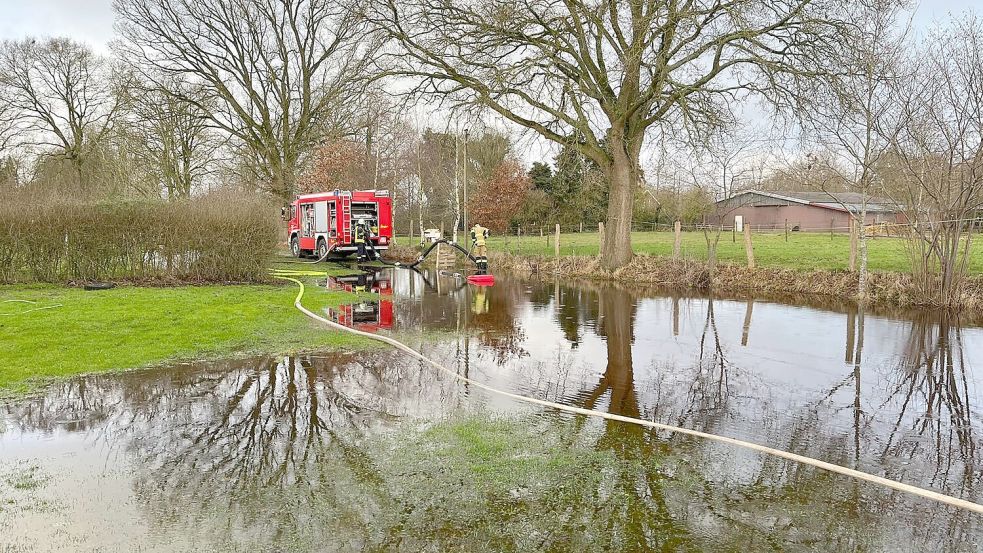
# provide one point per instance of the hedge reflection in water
(341, 451)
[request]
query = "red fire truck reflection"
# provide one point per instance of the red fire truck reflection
(371, 314)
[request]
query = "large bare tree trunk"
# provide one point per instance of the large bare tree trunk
(622, 176)
(283, 182)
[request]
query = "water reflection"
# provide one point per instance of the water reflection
(310, 452)
(370, 314)
(933, 382)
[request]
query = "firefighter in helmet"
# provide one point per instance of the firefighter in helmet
(479, 235)
(362, 237)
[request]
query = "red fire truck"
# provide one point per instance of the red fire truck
(323, 222)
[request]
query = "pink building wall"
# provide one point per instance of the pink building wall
(805, 217)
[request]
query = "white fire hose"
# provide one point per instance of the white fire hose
(886, 482)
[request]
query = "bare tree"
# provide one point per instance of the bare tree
(599, 74)
(937, 147)
(279, 76)
(797, 173)
(727, 165)
(170, 138)
(843, 117)
(8, 121)
(733, 163)
(60, 96)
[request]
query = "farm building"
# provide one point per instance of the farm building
(805, 211)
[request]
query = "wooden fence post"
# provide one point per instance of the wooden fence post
(748, 246)
(600, 234)
(786, 230)
(853, 245)
(581, 226)
(832, 222)
(556, 247)
(677, 244)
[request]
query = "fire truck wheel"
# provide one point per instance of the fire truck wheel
(322, 249)
(295, 247)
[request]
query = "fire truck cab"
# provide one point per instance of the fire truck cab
(323, 222)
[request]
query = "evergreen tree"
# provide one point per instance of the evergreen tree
(541, 176)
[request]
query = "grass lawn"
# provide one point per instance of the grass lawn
(130, 326)
(803, 251)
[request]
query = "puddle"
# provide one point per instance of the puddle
(373, 451)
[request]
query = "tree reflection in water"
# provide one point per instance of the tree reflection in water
(288, 453)
(351, 452)
(778, 502)
(932, 385)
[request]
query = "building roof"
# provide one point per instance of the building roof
(839, 201)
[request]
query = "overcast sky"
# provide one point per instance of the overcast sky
(91, 21)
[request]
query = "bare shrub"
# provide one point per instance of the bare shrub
(936, 160)
(216, 238)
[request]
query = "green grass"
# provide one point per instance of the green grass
(803, 251)
(490, 451)
(495, 456)
(131, 327)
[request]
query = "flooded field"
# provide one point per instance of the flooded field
(373, 451)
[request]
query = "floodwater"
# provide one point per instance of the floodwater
(374, 451)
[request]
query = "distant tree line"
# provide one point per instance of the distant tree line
(641, 99)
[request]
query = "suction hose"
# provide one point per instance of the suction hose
(443, 241)
(378, 256)
(323, 257)
(318, 260)
(879, 480)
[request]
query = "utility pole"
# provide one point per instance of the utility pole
(466, 227)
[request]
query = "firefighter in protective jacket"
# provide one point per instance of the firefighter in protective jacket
(479, 235)
(362, 237)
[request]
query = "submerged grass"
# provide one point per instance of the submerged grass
(49, 331)
(473, 482)
(483, 482)
(498, 454)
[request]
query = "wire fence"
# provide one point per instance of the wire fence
(885, 227)
(778, 245)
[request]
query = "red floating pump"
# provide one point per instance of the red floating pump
(482, 280)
